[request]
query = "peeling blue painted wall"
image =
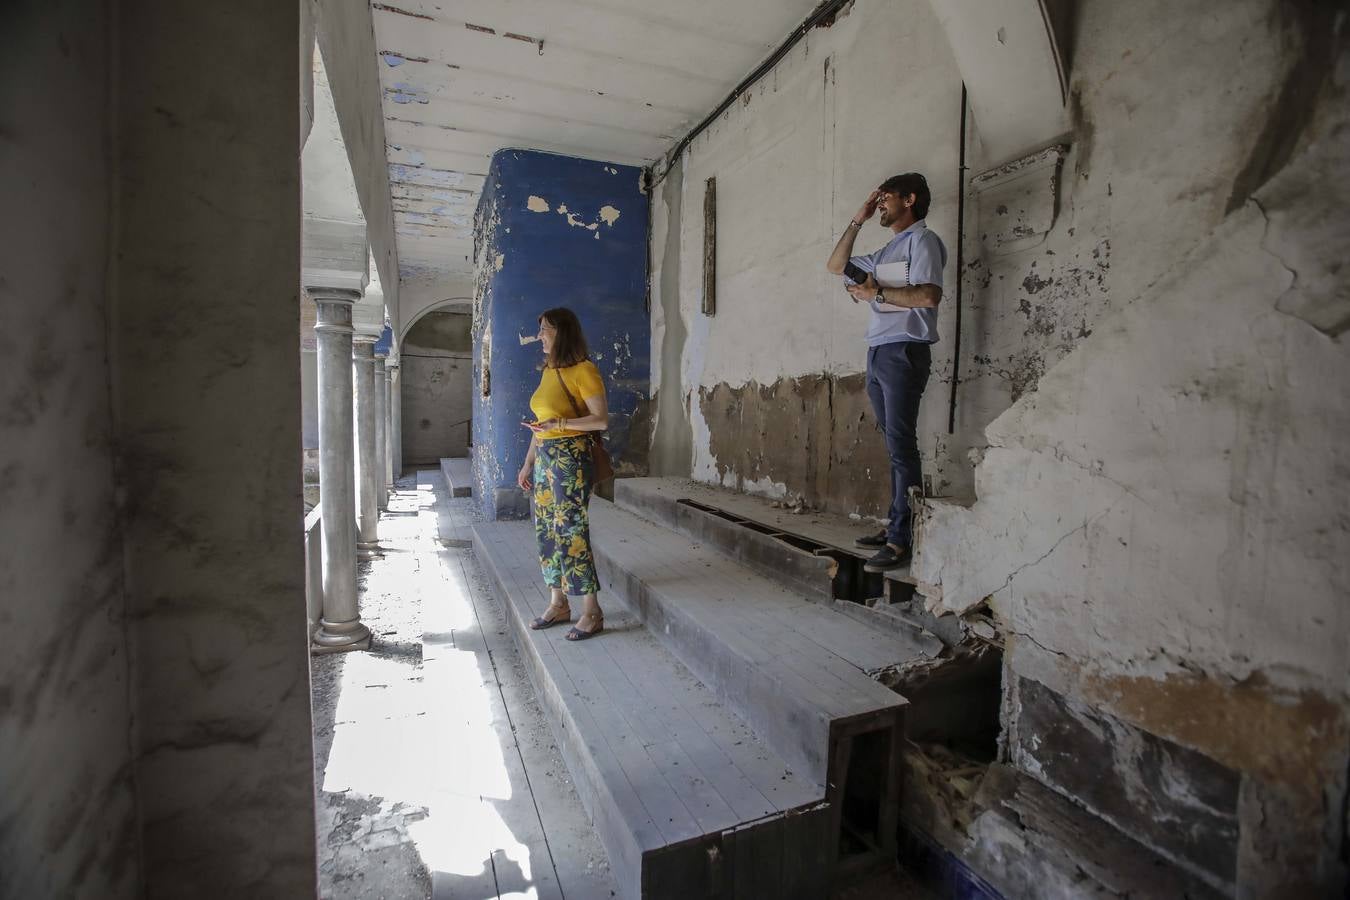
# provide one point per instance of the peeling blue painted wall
(554, 231)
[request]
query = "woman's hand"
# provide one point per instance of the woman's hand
(548, 425)
(524, 478)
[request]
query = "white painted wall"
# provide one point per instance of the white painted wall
(876, 94)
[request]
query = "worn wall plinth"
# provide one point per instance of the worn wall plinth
(555, 231)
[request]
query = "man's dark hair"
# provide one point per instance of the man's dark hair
(910, 183)
(569, 344)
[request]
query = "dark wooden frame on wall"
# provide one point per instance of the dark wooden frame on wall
(710, 247)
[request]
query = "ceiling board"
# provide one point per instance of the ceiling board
(613, 80)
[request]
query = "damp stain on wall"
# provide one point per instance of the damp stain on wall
(1053, 302)
(814, 434)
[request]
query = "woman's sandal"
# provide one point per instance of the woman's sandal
(541, 622)
(576, 634)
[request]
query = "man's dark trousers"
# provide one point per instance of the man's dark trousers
(897, 373)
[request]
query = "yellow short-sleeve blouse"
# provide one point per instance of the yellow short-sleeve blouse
(549, 401)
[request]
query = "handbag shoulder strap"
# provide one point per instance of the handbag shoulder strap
(570, 399)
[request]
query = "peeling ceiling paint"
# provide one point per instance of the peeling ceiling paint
(612, 80)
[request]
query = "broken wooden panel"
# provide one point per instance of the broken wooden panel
(710, 247)
(1173, 799)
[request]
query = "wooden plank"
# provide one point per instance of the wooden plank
(571, 839)
(834, 531)
(458, 476)
(751, 616)
(756, 854)
(728, 752)
(628, 705)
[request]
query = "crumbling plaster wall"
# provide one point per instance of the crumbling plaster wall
(1160, 525)
(765, 381)
(879, 92)
(1158, 519)
(549, 231)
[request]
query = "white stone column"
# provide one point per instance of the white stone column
(340, 626)
(395, 420)
(367, 466)
(382, 430)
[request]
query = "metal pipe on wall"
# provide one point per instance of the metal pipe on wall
(960, 265)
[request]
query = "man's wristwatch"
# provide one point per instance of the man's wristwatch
(880, 297)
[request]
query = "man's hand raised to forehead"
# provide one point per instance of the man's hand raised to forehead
(868, 208)
(865, 291)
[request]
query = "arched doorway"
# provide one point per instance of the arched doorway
(436, 355)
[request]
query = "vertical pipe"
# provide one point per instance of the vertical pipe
(960, 265)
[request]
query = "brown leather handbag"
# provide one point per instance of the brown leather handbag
(602, 467)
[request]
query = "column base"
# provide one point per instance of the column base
(368, 550)
(339, 637)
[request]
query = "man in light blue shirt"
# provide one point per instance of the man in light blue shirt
(902, 283)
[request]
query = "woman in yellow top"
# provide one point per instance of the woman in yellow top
(569, 404)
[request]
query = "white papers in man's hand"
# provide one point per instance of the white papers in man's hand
(893, 274)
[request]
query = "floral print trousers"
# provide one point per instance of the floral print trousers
(562, 490)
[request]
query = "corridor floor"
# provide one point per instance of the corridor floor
(436, 774)
(435, 771)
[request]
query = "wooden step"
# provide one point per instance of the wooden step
(800, 673)
(801, 550)
(458, 475)
(687, 800)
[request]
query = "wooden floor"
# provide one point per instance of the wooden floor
(662, 756)
(743, 606)
(437, 773)
(832, 530)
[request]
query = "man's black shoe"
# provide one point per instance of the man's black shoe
(872, 541)
(887, 558)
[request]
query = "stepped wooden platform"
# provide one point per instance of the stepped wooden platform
(458, 475)
(729, 734)
(687, 800)
(803, 550)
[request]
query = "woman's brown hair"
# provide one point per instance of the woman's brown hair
(569, 344)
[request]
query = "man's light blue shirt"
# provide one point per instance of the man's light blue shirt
(914, 256)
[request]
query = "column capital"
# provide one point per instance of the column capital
(335, 307)
(331, 294)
